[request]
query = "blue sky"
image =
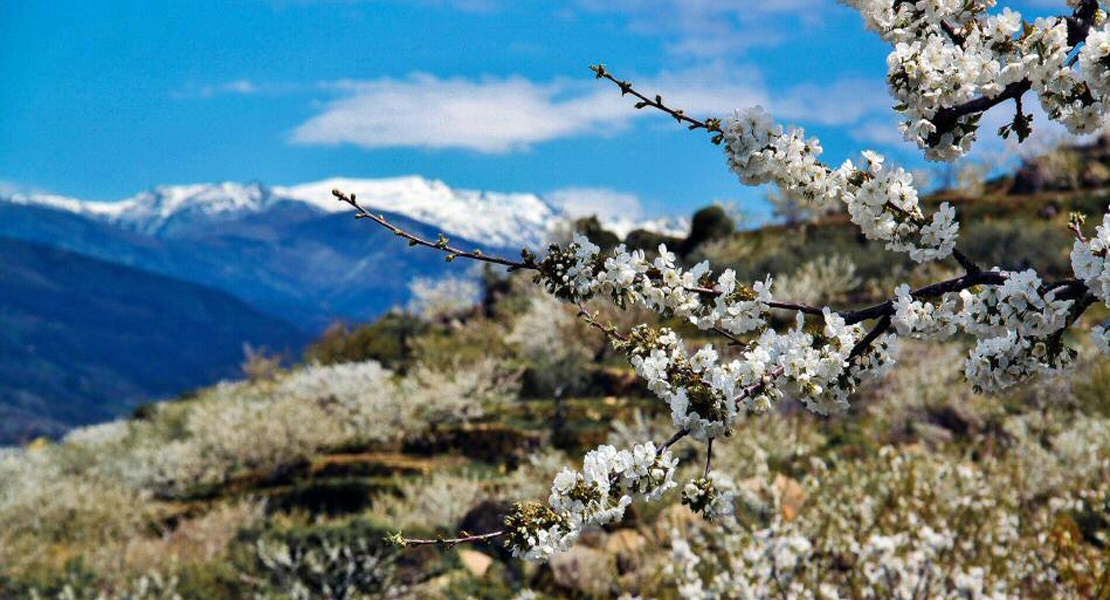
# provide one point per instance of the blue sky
(101, 99)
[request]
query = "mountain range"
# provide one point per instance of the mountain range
(276, 265)
(293, 252)
(83, 340)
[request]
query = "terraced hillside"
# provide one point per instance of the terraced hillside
(290, 483)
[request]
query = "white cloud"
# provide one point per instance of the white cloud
(605, 203)
(239, 87)
(490, 115)
(12, 188)
(8, 188)
(715, 28)
(882, 133)
(470, 6)
(498, 115)
(841, 103)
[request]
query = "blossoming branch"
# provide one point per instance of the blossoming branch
(952, 61)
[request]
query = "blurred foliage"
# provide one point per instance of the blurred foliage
(710, 223)
(591, 228)
(321, 463)
(389, 340)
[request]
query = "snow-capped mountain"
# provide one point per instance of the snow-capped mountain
(163, 210)
(294, 252)
(189, 273)
(495, 219)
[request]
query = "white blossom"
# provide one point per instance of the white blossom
(882, 201)
(925, 320)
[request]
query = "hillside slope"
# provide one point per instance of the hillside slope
(83, 340)
(307, 268)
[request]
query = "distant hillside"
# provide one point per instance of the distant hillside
(83, 340)
(294, 252)
(308, 268)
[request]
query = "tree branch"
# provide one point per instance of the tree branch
(710, 125)
(681, 433)
(876, 331)
(441, 244)
(965, 262)
(1079, 25)
(608, 330)
(448, 542)
(708, 457)
(1072, 289)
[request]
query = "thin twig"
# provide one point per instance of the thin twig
(733, 340)
(956, 37)
(710, 125)
(1074, 226)
(802, 308)
(440, 244)
(609, 331)
(708, 457)
(681, 433)
(756, 388)
(448, 542)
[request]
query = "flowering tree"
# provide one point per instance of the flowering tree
(952, 60)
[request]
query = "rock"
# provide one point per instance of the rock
(954, 418)
(1095, 175)
(933, 435)
(433, 588)
(585, 570)
(627, 546)
(756, 486)
(475, 562)
(592, 538)
(676, 517)
(792, 496)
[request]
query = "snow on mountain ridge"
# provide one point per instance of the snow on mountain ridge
(64, 203)
(497, 219)
(153, 211)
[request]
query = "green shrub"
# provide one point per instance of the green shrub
(710, 223)
(389, 340)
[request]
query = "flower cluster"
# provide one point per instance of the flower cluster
(699, 391)
(711, 496)
(1000, 362)
(610, 480)
(535, 532)
(883, 202)
(1016, 324)
(925, 320)
(946, 54)
(1093, 60)
(578, 272)
(814, 367)
(1100, 335)
(1089, 261)
(1018, 305)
